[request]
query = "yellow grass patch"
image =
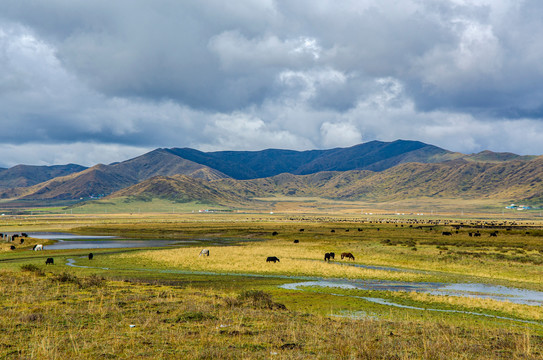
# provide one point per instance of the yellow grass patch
(251, 258)
(523, 311)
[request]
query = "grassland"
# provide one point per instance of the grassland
(229, 305)
(59, 316)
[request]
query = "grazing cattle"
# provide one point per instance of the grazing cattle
(347, 255)
(477, 234)
(24, 234)
(296, 241)
(359, 229)
(327, 257)
(91, 256)
(302, 229)
(12, 247)
(495, 234)
(204, 252)
(22, 240)
(37, 247)
(447, 233)
(275, 233)
(272, 258)
(332, 230)
(49, 261)
(332, 255)
(470, 234)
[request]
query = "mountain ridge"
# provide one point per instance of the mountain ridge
(358, 171)
(456, 179)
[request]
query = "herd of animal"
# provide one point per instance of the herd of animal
(327, 257)
(205, 252)
(13, 237)
(51, 261)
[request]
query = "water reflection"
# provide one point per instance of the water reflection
(72, 241)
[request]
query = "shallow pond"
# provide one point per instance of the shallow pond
(484, 291)
(500, 293)
(66, 241)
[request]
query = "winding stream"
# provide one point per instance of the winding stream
(482, 291)
(500, 293)
(485, 291)
(307, 283)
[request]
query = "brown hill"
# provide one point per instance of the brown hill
(489, 156)
(513, 180)
(28, 175)
(93, 181)
(179, 188)
(105, 179)
(374, 170)
(518, 179)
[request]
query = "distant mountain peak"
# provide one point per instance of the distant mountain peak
(195, 173)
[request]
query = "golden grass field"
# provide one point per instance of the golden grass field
(250, 259)
(187, 306)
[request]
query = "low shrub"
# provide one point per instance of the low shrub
(66, 278)
(259, 299)
(191, 316)
(92, 281)
(32, 268)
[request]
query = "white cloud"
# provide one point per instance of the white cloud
(304, 85)
(340, 135)
(242, 132)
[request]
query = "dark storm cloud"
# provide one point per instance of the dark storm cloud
(137, 75)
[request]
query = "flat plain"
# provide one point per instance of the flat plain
(169, 302)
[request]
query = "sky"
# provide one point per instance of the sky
(101, 81)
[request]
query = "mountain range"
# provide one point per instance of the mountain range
(375, 170)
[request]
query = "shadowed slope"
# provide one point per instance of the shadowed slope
(373, 155)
